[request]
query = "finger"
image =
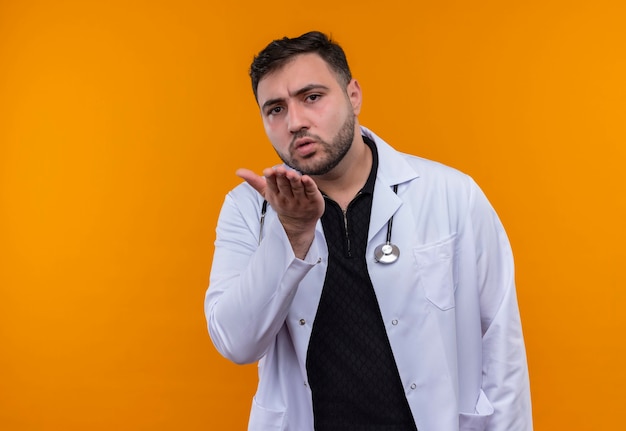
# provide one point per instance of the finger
(295, 181)
(282, 176)
(256, 181)
(284, 185)
(309, 186)
(270, 180)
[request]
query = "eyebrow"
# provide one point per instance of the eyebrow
(302, 90)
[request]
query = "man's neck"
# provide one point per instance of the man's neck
(346, 179)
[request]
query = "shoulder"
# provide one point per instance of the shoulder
(434, 174)
(427, 167)
(396, 167)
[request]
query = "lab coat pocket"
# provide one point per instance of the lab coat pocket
(435, 263)
(478, 420)
(264, 419)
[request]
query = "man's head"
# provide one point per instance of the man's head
(309, 102)
(281, 51)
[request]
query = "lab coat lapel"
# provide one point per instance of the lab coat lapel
(392, 169)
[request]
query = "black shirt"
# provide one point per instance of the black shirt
(351, 369)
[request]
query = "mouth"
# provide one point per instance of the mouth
(302, 142)
(304, 146)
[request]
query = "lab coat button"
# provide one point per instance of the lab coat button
(302, 322)
(394, 322)
(413, 386)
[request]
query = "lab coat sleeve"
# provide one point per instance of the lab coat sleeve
(505, 372)
(251, 286)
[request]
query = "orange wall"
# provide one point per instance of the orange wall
(121, 126)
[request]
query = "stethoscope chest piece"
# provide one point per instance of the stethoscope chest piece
(386, 253)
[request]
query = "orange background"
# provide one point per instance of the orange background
(121, 126)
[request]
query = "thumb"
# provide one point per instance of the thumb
(256, 181)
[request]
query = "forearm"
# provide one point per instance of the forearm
(300, 237)
(251, 288)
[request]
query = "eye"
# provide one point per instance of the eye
(275, 110)
(313, 97)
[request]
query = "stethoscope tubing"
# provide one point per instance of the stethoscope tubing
(384, 253)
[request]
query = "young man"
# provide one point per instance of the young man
(375, 288)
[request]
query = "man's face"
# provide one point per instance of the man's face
(308, 116)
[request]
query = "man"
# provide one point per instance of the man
(308, 278)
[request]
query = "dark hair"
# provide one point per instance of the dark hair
(280, 51)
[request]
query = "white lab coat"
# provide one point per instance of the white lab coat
(448, 303)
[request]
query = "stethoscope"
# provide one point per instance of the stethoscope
(384, 253)
(388, 252)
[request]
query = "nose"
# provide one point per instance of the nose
(296, 119)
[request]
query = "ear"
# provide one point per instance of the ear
(353, 90)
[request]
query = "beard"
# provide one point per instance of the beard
(331, 152)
